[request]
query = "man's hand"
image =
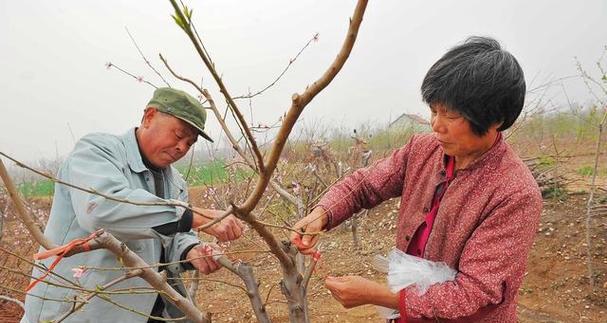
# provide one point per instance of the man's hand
(352, 291)
(227, 229)
(201, 257)
(312, 223)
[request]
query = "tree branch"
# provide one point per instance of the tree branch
(186, 26)
(299, 102)
(291, 61)
(13, 300)
(145, 58)
(77, 306)
(27, 220)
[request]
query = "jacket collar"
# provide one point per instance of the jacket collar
(133, 155)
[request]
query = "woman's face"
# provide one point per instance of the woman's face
(455, 134)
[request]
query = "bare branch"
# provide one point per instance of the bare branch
(25, 217)
(211, 67)
(299, 102)
(145, 58)
(137, 78)
(291, 61)
(191, 163)
(245, 272)
(79, 305)
(13, 300)
(109, 197)
(589, 205)
(18, 291)
(40, 267)
(268, 295)
(151, 276)
(311, 267)
(588, 80)
(194, 285)
(228, 133)
(216, 220)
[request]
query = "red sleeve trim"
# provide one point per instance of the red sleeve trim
(402, 306)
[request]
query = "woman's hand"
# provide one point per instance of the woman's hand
(312, 223)
(227, 229)
(352, 291)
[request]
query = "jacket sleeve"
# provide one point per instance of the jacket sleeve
(496, 250)
(177, 248)
(366, 187)
(95, 164)
(179, 245)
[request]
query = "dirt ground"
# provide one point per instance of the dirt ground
(556, 288)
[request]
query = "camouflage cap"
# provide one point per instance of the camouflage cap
(181, 105)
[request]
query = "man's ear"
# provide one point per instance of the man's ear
(148, 115)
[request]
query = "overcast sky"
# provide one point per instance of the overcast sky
(55, 87)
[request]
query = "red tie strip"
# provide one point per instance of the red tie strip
(402, 306)
(60, 252)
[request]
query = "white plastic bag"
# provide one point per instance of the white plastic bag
(405, 270)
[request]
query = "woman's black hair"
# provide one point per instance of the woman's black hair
(481, 81)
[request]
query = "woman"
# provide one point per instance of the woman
(465, 197)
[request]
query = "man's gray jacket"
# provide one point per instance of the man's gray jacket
(111, 165)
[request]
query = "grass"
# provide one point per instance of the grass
(554, 192)
(548, 129)
(585, 170)
(546, 161)
(40, 188)
(589, 171)
(571, 132)
(210, 173)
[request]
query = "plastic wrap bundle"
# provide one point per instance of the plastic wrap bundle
(405, 270)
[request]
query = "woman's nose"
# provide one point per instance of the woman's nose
(438, 124)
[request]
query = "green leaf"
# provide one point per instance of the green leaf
(179, 22)
(187, 12)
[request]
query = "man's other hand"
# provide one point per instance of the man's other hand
(229, 228)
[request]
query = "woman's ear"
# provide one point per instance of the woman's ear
(496, 125)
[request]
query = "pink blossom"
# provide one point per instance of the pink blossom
(108, 65)
(207, 250)
(296, 187)
(79, 271)
(139, 78)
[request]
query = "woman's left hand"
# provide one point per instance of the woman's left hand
(352, 291)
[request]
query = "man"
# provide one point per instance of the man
(135, 167)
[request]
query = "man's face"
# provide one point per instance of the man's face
(164, 139)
